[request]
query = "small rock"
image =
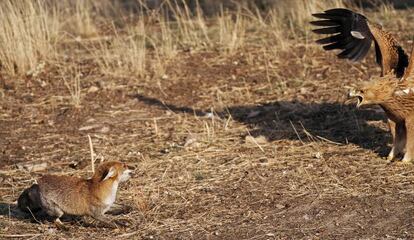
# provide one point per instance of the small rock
(93, 89)
(280, 206)
(90, 120)
(209, 115)
(87, 128)
(190, 140)
(104, 129)
(33, 167)
(256, 140)
(303, 90)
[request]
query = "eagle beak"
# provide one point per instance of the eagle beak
(356, 94)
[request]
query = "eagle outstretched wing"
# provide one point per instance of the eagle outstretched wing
(353, 33)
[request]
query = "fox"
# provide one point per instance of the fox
(59, 195)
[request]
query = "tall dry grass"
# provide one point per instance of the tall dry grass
(71, 76)
(124, 54)
(232, 30)
(28, 35)
(141, 41)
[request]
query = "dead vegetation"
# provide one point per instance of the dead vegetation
(234, 121)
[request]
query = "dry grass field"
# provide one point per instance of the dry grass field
(237, 124)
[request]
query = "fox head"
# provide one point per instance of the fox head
(112, 171)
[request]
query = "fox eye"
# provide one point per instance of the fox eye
(362, 91)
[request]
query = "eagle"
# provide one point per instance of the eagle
(352, 33)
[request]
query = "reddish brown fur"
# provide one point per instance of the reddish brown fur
(76, 196)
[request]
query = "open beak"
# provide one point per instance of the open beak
(356, 94)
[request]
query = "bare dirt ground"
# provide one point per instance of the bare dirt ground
(243, 146)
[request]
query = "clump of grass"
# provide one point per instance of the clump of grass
(293, 16)
(167, 42)
(72, 79)
(82, 24)
(192, 29)
(386, 12)
(31, 28)
(232, 30)
(28, 34)
(124, 54)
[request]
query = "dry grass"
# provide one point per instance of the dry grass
(124, 55)
(234, 122)
(38, 25)
(28, 35)
(72, 81)
(81, 24)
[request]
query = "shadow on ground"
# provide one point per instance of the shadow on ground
(292, 120)
(11, 211)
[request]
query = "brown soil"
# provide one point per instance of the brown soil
(223, 146)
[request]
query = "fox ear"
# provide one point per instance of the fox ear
(108, 174)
